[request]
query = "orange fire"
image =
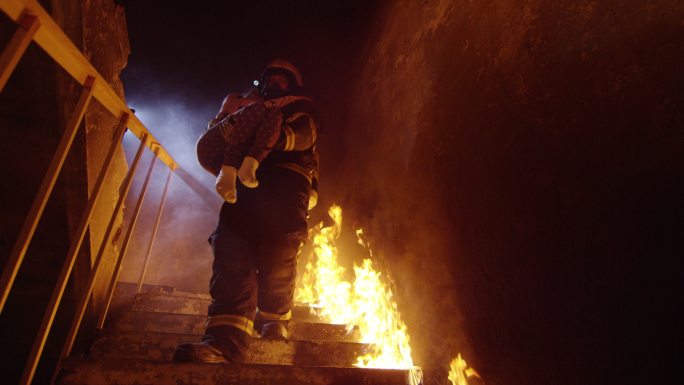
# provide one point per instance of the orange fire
(459, 372)
(367, 302)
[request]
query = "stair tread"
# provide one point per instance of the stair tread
(172, 291)
(164, 301)
(160, 347)
(144, 321)
(138, 344)
(96, 371)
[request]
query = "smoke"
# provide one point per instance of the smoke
(181, 256)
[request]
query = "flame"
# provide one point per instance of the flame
(323, 282)
(459, 372)
(367, 302)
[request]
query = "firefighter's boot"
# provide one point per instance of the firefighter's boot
(198, 352)
(274, 330)
(220, 344)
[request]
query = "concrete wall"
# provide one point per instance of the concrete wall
(519, 166)
(99, 28)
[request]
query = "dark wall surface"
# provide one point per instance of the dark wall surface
(521, 166)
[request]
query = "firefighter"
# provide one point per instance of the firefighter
(257, 239)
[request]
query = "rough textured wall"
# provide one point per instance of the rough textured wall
(98, 28)
(105, 43)
(520, 167)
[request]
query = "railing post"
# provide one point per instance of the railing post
(80, 309)
(154, 232)
(29, 227)
(124, 244)
(82, 305)
(57, 293)
(28, 26)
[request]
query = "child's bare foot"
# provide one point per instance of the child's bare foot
(225, 184)
(247, 172)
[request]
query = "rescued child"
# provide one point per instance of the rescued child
(237, 140)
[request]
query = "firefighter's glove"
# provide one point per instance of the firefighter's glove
(247, 172)
(225, 184)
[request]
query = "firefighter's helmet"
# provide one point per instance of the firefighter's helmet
(282, 67)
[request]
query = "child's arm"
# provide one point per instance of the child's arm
(231, 103)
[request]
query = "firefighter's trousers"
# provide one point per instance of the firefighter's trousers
(255, 250)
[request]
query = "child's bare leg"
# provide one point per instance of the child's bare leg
(265, 137)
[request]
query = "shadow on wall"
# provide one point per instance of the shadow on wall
(519, 167)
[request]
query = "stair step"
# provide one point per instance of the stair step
(162, 303)
(165, 301)
(160, 347)
(142, 321)
(95, 371)
(170, 290)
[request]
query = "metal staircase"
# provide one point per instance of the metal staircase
(137, 344)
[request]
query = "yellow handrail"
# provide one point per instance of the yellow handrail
(28, 25)
(55, 43)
